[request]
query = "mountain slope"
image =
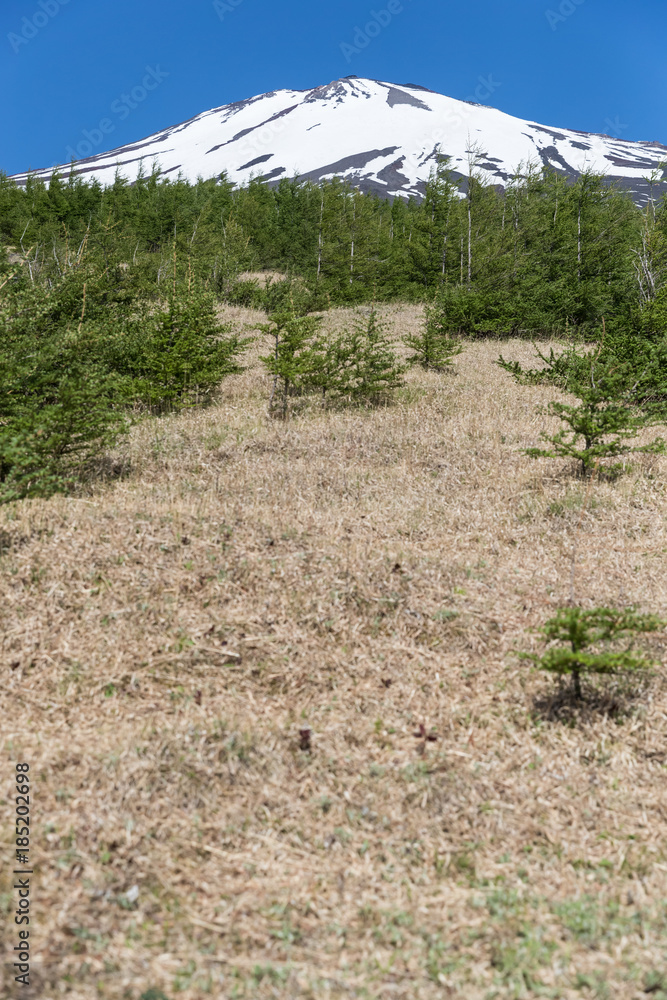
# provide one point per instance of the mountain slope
(380, 136)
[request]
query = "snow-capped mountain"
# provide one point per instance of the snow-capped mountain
(380, 136)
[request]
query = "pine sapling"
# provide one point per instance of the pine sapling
(325, 366)
(597, 428)
(609, 414)
(358, 364)
(44, 448)
(588, 640)
(178, 355)
(290, 362)
(370, 368)
(434, 347)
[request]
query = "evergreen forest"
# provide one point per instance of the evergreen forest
(108, 296)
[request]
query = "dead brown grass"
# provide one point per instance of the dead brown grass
(262, 277)
(358, 574)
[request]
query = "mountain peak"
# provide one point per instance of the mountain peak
(382, 137)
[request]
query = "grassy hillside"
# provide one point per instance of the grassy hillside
(279, 742)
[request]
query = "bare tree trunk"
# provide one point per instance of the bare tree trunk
(430, 234)
(515, 213)
(319, 250)
(579, 242)
(469, 237)
(444, 245)
(354, 222)
(475, 154)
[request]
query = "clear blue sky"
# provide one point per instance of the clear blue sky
(595, 65)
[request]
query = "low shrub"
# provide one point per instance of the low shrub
(587, 642)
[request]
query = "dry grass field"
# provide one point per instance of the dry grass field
(279, 741)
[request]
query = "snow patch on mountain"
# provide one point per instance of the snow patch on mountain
(382, 137)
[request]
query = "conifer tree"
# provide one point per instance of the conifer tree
(60, 406)
(434, 347)
(613, 405)
(358, 364)
(650, 257)
(433, 238)
(588, 643)
(290, 362)
(46, 443)
(178, 355)
(599, 427)
(232, 256)
(369, 369)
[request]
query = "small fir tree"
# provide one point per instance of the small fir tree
(358, 364)
(613, 404)
(369, 369)
(60, 405)
(45, 447)
(324, 366)
(587, 640)
(232, 257)
(434, 347)
(178, 355)
(290, 362)
(73, 361)
(596, 429)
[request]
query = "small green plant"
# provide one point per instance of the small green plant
(358, 364)
(598, 428)
(586, 641)
(656, 984)
(367, 367)
(77, 357)
(177, 356)
(616, 402)
(434, 347)
(290, 362)
(58, 404)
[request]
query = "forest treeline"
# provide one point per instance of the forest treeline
(544, 256)
(109, 302)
